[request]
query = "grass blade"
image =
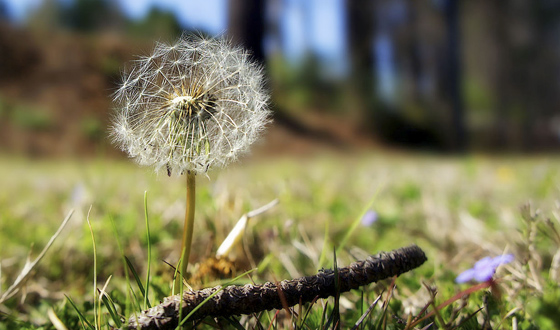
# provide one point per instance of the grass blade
(307, 312)
(26, 271)
(233, 322)
(57, 323)
(357, 222)
(382, 321)
(110, 305)
(85, 322)
(336, 309)
(364, 315)
(335, 316)
(146, 301)
(323, 255)
(95, 310)
(130, 293)
(136, 277)
(323, 316)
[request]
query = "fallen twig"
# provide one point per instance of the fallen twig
(247, 299)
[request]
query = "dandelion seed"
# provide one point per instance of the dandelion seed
(484, 269)
(191, 106)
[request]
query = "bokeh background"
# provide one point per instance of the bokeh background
(436, 75)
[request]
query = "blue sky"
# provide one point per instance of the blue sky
(316, 25)
(210, 15)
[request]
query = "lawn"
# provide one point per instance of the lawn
(457, 209)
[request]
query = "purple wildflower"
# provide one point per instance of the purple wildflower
(369, 218)
(484, 269)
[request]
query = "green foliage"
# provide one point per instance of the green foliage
(93, 128)
(90, 15)
(305, 86)
(157, 24)
(31, 118)
(111, 66)
(480, 99)
(544, 310)
(85, 16)
(434, 202)
(3, 107)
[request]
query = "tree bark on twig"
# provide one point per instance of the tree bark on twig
(247, 299)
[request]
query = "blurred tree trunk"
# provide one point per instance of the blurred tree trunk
(524, 38)
(502, 67)
(413, 43)
(359, 29)
(246, 25)
(453, 75)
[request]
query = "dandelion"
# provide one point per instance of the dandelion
(190, 107)
(484, 269)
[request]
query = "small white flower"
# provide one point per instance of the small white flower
(191, 106)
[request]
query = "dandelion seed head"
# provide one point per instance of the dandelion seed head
(191, 106)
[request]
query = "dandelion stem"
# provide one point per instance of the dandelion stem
(189, 223)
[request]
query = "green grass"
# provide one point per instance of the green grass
(457, 209)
